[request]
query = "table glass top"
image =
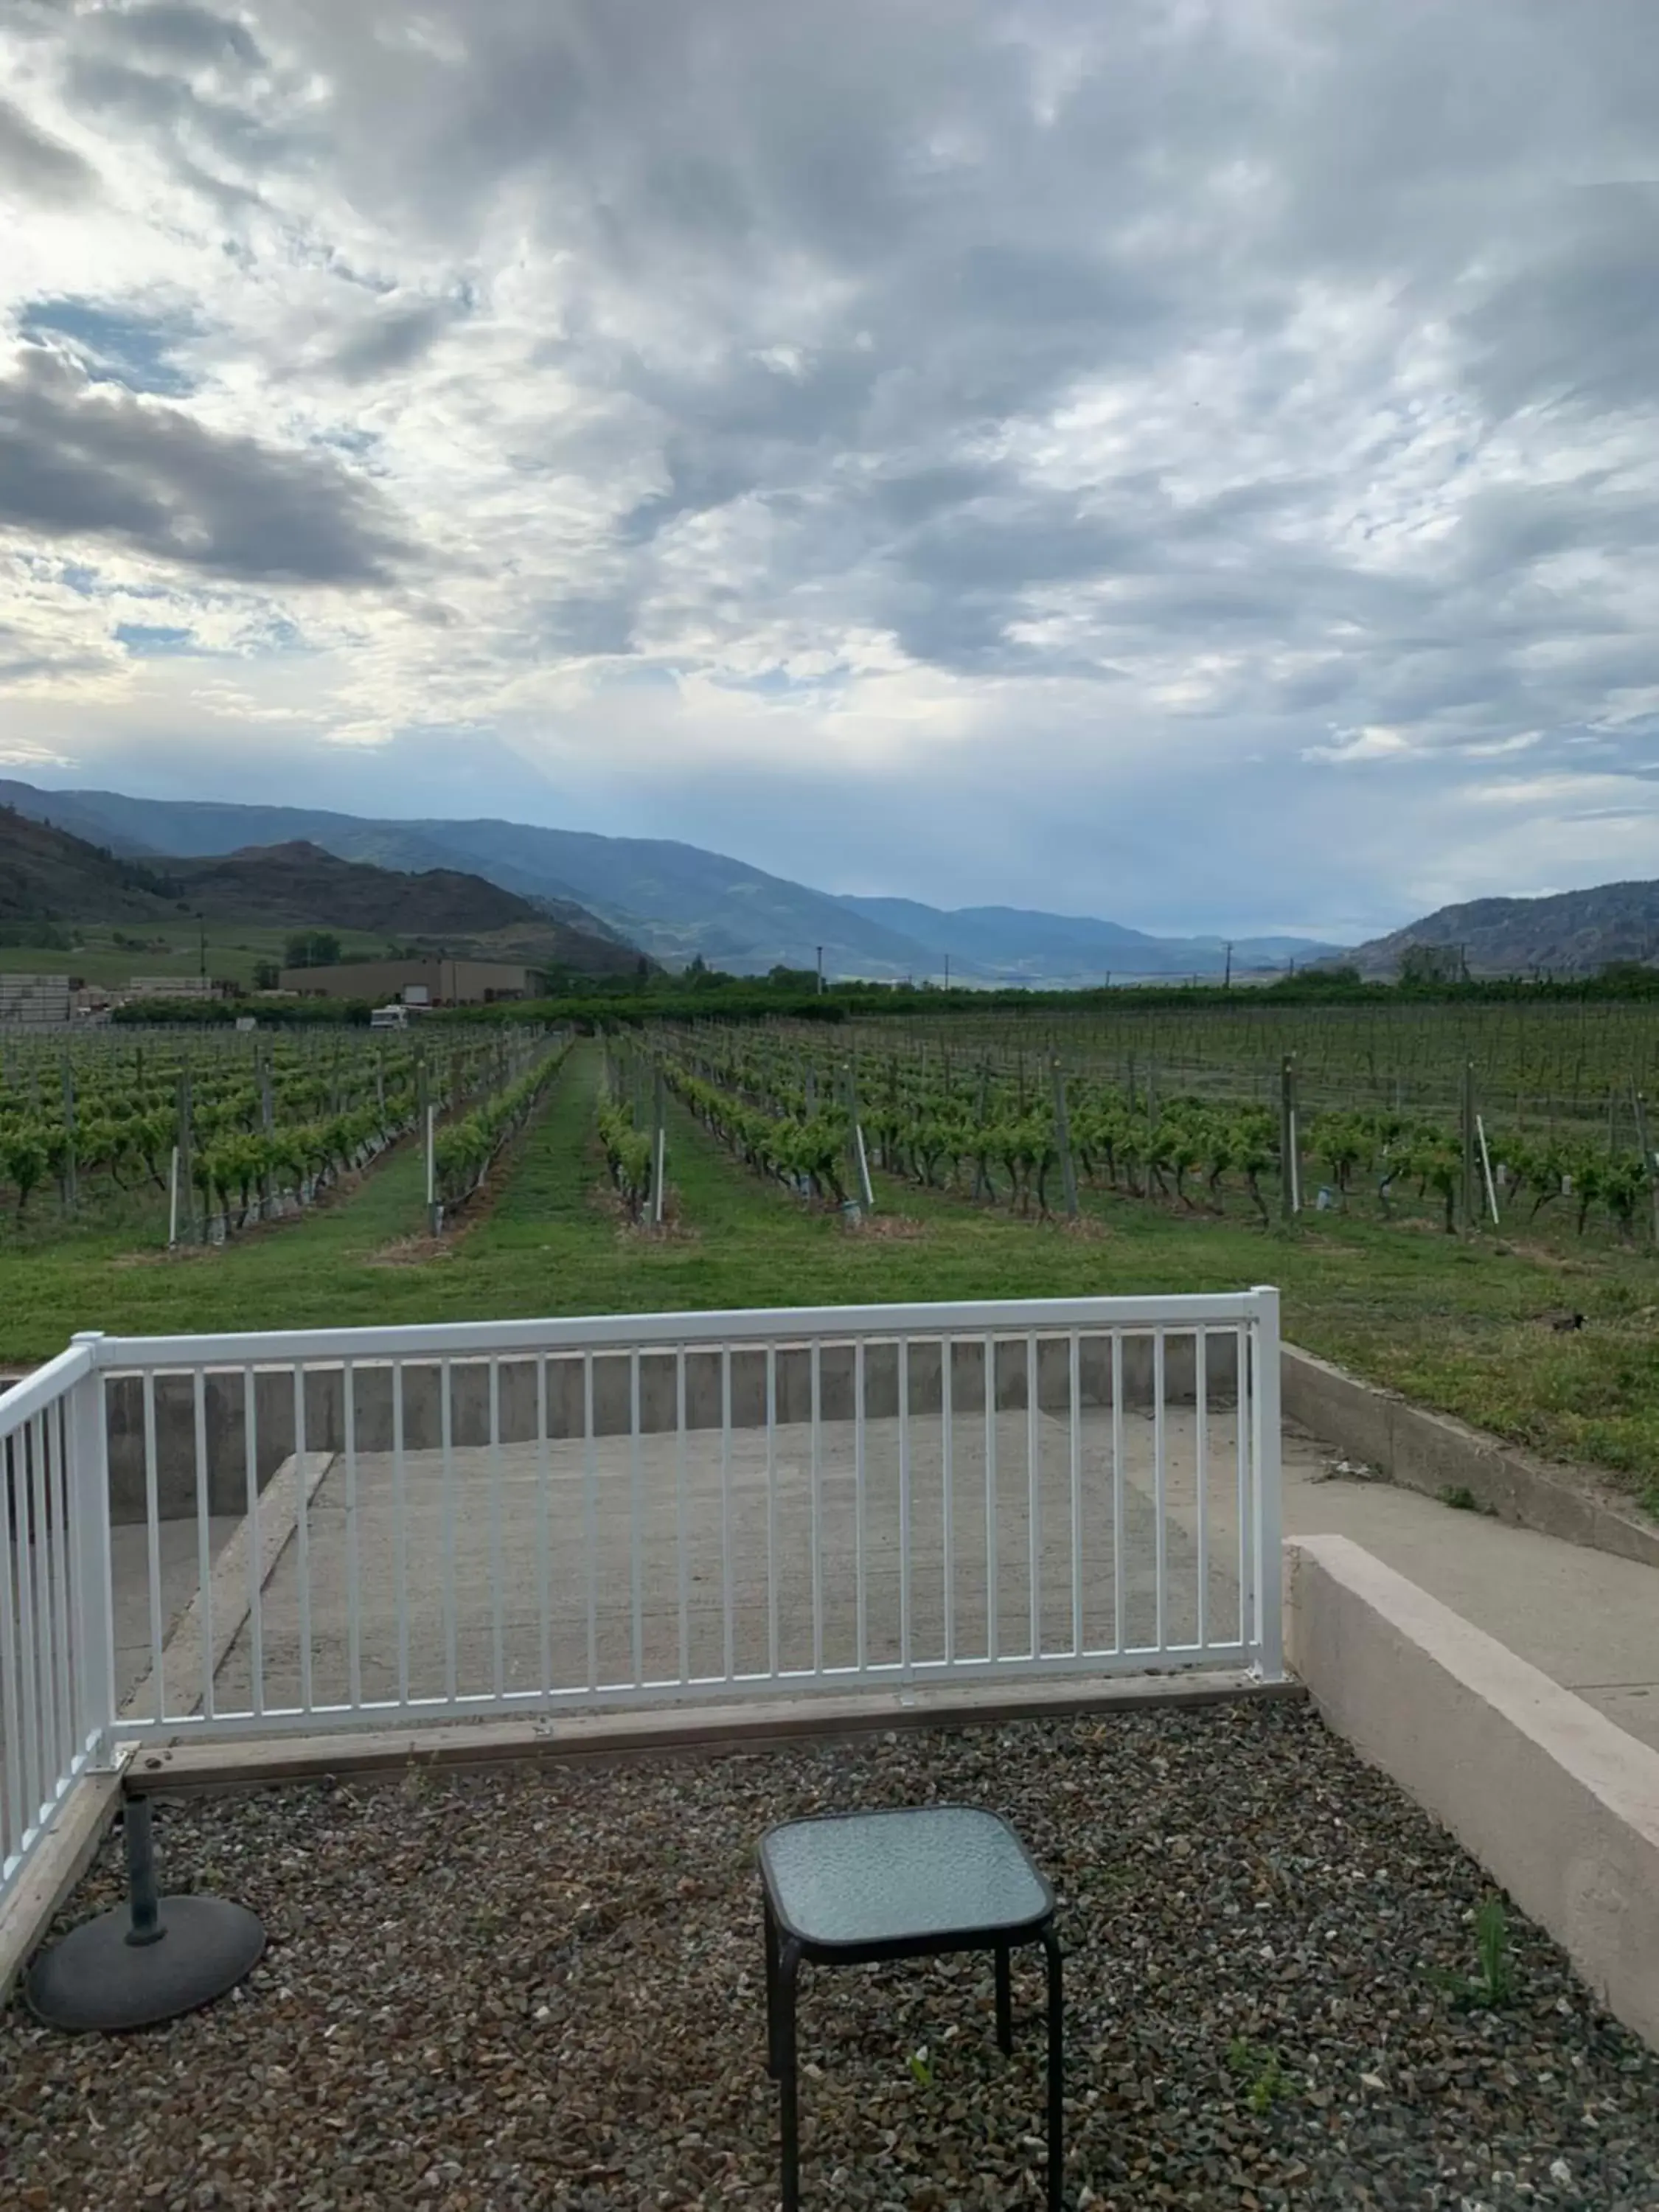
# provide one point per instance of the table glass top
(884, 1877)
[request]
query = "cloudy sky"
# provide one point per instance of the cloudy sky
(1192, 461)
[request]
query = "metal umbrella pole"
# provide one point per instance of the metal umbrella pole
(158, 1957)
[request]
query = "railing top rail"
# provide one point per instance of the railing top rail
(44, 1388)
(606, 1332)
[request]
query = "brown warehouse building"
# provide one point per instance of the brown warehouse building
(445, 982)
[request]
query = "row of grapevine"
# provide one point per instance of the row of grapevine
(1007, 1132)
(220, 1132)
(1543, 1064)
(464, 1149)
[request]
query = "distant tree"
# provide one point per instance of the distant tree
(267, 975)
(792, 979)
(312, 948)
(1431, 963)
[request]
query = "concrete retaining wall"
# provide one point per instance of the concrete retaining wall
(1561, 1805)
(1433, 1452)
(226, 1407)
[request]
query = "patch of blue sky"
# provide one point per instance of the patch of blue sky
(148, 638)
(118, 346)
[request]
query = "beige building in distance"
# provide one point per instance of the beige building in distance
(418, 982)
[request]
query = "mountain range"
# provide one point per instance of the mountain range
(49, 873)
(675, 902)
(573, 898)
(1565, 933)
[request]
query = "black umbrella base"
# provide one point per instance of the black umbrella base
(99, 1978)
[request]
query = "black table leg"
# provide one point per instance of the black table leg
(788, 1962)
(1005, 2003)
(771, 1988)
(1056, 2070)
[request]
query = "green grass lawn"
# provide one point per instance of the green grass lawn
(170, 948)
(1456, 1326)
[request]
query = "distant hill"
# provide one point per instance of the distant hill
(48, 874)
(1014, 942)
(672, 900)
(1568, 933)
(299, 882)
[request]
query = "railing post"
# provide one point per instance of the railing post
(91, 1596)
(1266, 1447)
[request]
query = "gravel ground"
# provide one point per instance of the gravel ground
(543, 1988)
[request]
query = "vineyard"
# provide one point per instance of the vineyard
(1036, 1119)
(200, 1135)
(768, 1144)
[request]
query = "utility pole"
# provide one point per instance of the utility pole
(1227, 980)
(947, 971)
(202, 947)
(820, 971)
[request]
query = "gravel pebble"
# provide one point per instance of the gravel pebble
(543, 1988)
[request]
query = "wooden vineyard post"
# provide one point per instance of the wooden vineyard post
(1649, 1165)
(268, 1126)
(1471, 1165)
(185, 1212)
(1289, 1169)
(658, 1149)
(427, 1115)
(856, 1134)
(981, 1187)
(1063, 1141)
(70, 1191)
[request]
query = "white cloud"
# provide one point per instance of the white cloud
(1374, 743)
(1023, 409)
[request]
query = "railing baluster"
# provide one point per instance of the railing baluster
(902, 1352)
(993, 1627)
(590, 1517)
(1160, 1572)
(1245, 1424)
(354, 1561)
(1266, 1455)
(44, 1668)
(302, 1534)
(680, 1565)
(817, 1479)
(859, 1531)
(1075, 1380)
(771, 1509)
(497, 1562)
(1120, 1636)
(34, 1779)
(544, 1531)
(256, 1573)
(58, 1517)
(1034, 1493)
(1201, 1475)
(636, 1518)
(153, 1548)
(947, 1488)
(13, 1799)
(400, 1527)
(35, 1782)
(203, 1539)
(446, 1478)
(727, 1627)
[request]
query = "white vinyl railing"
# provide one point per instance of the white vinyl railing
(231, 1535)
(57, 1692)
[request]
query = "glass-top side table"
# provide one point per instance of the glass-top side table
(852, 1888)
